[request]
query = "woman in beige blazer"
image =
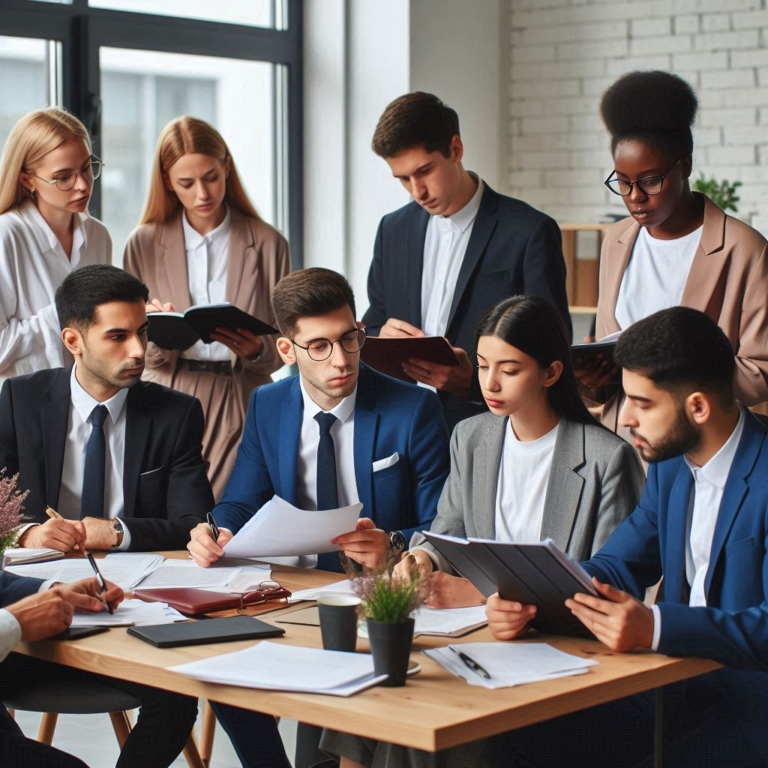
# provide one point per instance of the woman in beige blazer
(200, 241)
(678, 247)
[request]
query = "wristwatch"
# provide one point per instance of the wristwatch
(397, 541)
(117, 527)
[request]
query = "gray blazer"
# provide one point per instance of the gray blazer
(594, 483)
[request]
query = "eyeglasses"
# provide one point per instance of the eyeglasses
(266, 592)
(67, 180)
(650, 185)
(321, 349)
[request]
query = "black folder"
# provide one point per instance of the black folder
(532, 574)
(205, 631)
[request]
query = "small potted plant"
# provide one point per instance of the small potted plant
(11, 506)
(388, 601)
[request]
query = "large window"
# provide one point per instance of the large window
(127, 67)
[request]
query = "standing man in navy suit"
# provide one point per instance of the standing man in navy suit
(702, 525)
(442, 261)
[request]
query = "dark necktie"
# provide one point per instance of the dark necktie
(92, 497)
(327, 487)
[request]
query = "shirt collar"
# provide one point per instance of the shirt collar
(716, 470)
(464, 218)
(46, 239)
(342, 411)
(84, 403)
(193, 239)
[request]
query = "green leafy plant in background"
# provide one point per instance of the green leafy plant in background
(389, 599)
(721, 192)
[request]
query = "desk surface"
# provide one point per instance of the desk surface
(435, 710)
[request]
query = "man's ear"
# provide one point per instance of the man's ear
(286, 350)
(457, 149)
(698, 405)
(73, 340)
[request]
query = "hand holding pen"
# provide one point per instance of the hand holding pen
(207, 541)
(56, 533)
(102, 584)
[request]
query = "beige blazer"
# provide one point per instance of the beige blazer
(728, 281)
(258, 257)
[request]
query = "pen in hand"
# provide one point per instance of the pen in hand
(214, 528)
(99, 577)
(54, 515)
(471, 663)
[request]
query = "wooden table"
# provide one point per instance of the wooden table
(434, 711)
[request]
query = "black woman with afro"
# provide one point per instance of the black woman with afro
(677, 247)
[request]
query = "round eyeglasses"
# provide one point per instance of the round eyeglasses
(321, 349)
(66, 180)
(650, 185)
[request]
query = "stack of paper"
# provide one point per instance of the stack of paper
(187, 574)
(339, 588)
(130, 612)
(277, 667)
(22, 555)
(508, 664)
(449, 622)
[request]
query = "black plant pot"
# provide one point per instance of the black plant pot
(391, 649)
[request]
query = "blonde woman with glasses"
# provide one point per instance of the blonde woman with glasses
(200, 241)
(46, 181)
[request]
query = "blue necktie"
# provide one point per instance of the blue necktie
(92, 497)
(327, 487)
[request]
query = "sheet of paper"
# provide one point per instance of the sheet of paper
(279, 667)
(510, 664)
(338, 588)
(186, 573)
(279, 528)
(446, 621)
(129, 612)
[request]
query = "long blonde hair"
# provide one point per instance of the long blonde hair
(187, 136)
(33, 137)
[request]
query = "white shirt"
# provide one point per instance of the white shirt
(78, 433)
(655, 276)
(32, 266)
(703, 508)
(207, 267)
(444, 248)
(522, 486)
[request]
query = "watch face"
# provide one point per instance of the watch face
(397, 540)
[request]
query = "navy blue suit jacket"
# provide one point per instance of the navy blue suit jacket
(390, 417)
(14, 588)
(733, 627)
(513, 249)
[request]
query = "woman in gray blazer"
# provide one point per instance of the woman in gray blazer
(537, 466)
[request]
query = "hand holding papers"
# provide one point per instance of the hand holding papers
(266, 534)
(501, 665)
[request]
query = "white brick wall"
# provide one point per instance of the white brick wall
(565, 53)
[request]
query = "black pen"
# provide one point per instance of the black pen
(471, 663)
(214, 528)
(99, 577)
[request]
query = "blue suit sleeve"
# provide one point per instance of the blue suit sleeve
(249, 487)
(376, 314)
(14, 588)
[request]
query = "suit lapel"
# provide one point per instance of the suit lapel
(482, 229)
(174, 258)
(677, 533)
(565, 485)
(414, 262)
(291, 415)
(615, 269)
(366, 423)
(486, 468)
(240, 243)
(137, 427)
(55, 420)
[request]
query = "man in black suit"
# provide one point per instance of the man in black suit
(130, 479)
(442, 261)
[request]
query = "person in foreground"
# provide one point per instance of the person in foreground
(30, 610)
(537, 466)
(442, 261)
(117, 458)
(702, 525)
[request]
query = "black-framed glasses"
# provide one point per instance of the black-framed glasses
(650, 185)
(321, 349)
(67, 180)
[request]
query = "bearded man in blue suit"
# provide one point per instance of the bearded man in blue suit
(702, 525)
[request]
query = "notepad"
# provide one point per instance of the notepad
(388, 354)
(24, 555)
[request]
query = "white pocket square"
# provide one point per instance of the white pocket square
(384, 463)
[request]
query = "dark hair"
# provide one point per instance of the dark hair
(680, 350)
(311, 292)
(535, 327)
(655, 107)
(415, 120)
(89, 287)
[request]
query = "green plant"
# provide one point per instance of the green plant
(389, 598)
(721, 192)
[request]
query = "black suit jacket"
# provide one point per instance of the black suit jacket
(513, 249)
(165, 485)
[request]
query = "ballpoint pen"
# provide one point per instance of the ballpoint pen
(214, 528)
(54, 515)
(471, 663)
(99, 577)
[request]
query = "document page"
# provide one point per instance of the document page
(130, 612)
(187, 574)
(279, 528)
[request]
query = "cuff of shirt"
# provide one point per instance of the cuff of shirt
(10, 633)
(22, 529)
(126, 542)
(656, 627)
